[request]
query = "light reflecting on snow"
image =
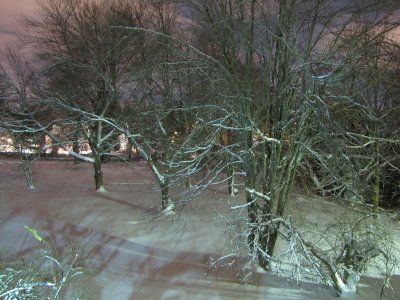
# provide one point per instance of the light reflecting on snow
(137, 260)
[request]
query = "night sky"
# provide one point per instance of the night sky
(10, 14)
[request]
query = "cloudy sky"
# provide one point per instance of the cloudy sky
(12, 10)
(10, 13)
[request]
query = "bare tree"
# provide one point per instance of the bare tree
(280, 64)
(20, 82)
(86, 60)
(363, 141)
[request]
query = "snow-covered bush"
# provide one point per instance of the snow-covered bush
(43, 276)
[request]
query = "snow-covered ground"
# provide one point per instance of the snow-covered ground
(137, 256)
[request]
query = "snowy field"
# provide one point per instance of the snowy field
(134, 255)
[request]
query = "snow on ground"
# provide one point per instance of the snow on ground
(134, 255)
(316, 214)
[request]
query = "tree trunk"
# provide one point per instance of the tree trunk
(98, 173)
(376, 198)
(250, 184)
(377, 181)
(188, 183)
(94, 143)
(27, 167)
(75, 148)
(226, 140)
(166, 202)
(54, 148)
(231, 180)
